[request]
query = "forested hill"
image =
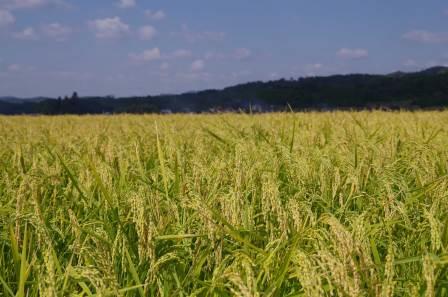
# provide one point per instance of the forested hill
(426, 89)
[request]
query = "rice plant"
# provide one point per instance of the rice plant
(306, 204)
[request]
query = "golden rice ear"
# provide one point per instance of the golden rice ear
(308, 204)
(388, 284)
(429, 276)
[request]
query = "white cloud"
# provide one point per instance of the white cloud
(126, 3)
(56, 31)
(109, 27)
(147, 55)
(6, 18)
(181, 53)
(155, 15)
(242, 53)
(424, 36)
(147, 32)
(192, 36)
(353, 53)
(27, 34)
(197, 65)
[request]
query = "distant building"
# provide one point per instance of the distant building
(166, 111)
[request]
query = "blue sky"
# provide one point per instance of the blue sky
(138, 47)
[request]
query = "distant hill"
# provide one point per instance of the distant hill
(430, 71)
(434, 71)
(426, 89)
(12, 99)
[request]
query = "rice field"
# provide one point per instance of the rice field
(305, 204)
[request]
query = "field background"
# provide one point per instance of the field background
(307, 204)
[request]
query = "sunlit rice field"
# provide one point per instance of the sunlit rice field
(306, 204)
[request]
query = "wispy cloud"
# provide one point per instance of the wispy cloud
(197, 65)
(53, 31)
(155, 15)
(194, 76)
(147, 55)
(423, 36)
(14, 67)
(147, 32)
(126, 3)
(192, 36)
(316, 66)
(244, 73)
(56, 31)
(16, 4)
(156, 54)
(164, 66)
(19, 68)
(28, 33)
(109, 28)
(6, 18)
(181, 53)
(410, 63)
(313, 69)
(30, 4)
(211, 55)
(242, 54)
(352, 53)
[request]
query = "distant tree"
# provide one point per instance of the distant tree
(59, 105)
(75, 96)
